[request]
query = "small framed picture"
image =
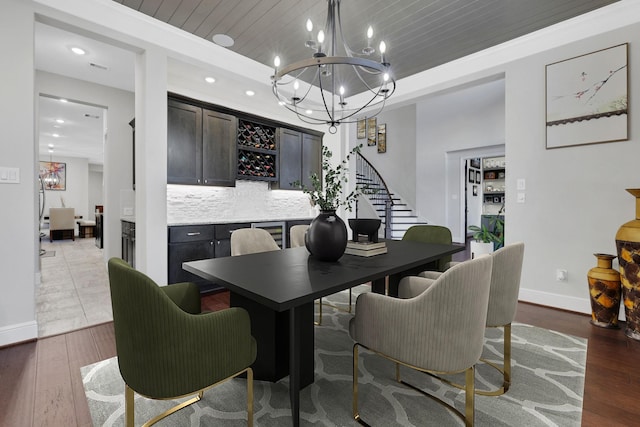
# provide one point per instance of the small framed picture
(477, 177)
(472, 176)
(372, 131)
(362, 128)
(382, 138)
(475, 190)
(475, 163)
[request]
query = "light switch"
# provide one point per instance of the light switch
(9, 175)
(520, 198)
(521, 184)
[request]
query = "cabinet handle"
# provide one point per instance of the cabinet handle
(197, 233)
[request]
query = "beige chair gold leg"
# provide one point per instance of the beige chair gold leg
(469, 397)
(356, 416)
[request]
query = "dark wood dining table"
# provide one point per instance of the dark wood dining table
(278, 289)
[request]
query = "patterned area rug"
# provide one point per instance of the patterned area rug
(547, 387)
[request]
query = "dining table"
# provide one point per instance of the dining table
(278, 289)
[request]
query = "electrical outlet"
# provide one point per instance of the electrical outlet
(561, 275)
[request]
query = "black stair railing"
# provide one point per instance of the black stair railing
(376, 190)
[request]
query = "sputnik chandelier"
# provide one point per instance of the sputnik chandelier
(315, 89)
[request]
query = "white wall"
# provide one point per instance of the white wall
(575, 197)
(19, 216)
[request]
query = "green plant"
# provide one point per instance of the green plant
(329, 196)
(494, 234)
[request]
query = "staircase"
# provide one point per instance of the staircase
(395, 214)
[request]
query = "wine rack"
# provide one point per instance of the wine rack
(257, 151)
(256, 165)
(252, 135)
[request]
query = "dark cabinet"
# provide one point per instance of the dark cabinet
(184, 143)
(129, 242)
(300, 156)
(218, 148)
(190, 243)
(200, 145)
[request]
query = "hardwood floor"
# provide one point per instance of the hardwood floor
(40, 383)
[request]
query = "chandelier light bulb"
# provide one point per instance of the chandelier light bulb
(296, 85)
(370, 32)
(309, 25)
(385, 77)
(321, 36)
(276, 61)
(341, 90)
(383, 47)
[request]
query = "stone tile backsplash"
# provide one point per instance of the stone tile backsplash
(247, 201)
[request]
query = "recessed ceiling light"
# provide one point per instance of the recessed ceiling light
(78, 51)
(250, 93)
(209, 80)
(59, 121)
(63, 100)
(222, 40)
(55, 135)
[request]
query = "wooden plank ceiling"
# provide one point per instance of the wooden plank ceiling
(420, 34)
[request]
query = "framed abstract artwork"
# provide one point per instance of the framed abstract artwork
(382, 138)
(362, 128)
(53, 175)
(587, 98)
(372, 131)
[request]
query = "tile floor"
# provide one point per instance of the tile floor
(74, 290)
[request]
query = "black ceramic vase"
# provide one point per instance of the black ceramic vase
(326, 238)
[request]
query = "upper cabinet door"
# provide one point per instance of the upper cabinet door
(290, 158)
(311, 157)
(184, 143)
(219, 165)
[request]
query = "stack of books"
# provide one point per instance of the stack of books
(366, 248)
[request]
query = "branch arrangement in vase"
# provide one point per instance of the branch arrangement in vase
(329, 197)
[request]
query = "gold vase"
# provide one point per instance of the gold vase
(628, 245)
(604, 290)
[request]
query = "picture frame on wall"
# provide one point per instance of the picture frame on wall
(54, 175)
(362, 129)
(475, 190)
(382, 138)
(477, 177)
(587, 98)
(372, 131)
(472, 176)
(475, 163)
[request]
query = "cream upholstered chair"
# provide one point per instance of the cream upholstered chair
(296, 238)
(252, 240)
(441, 330)
(503, 301)
(296, 235)
(62, 220)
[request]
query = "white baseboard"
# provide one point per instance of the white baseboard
(579, 305)
(20, 332)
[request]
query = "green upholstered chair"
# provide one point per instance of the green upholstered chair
(167, 349)
(441, 330)
(503, 301)
(431, 234)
